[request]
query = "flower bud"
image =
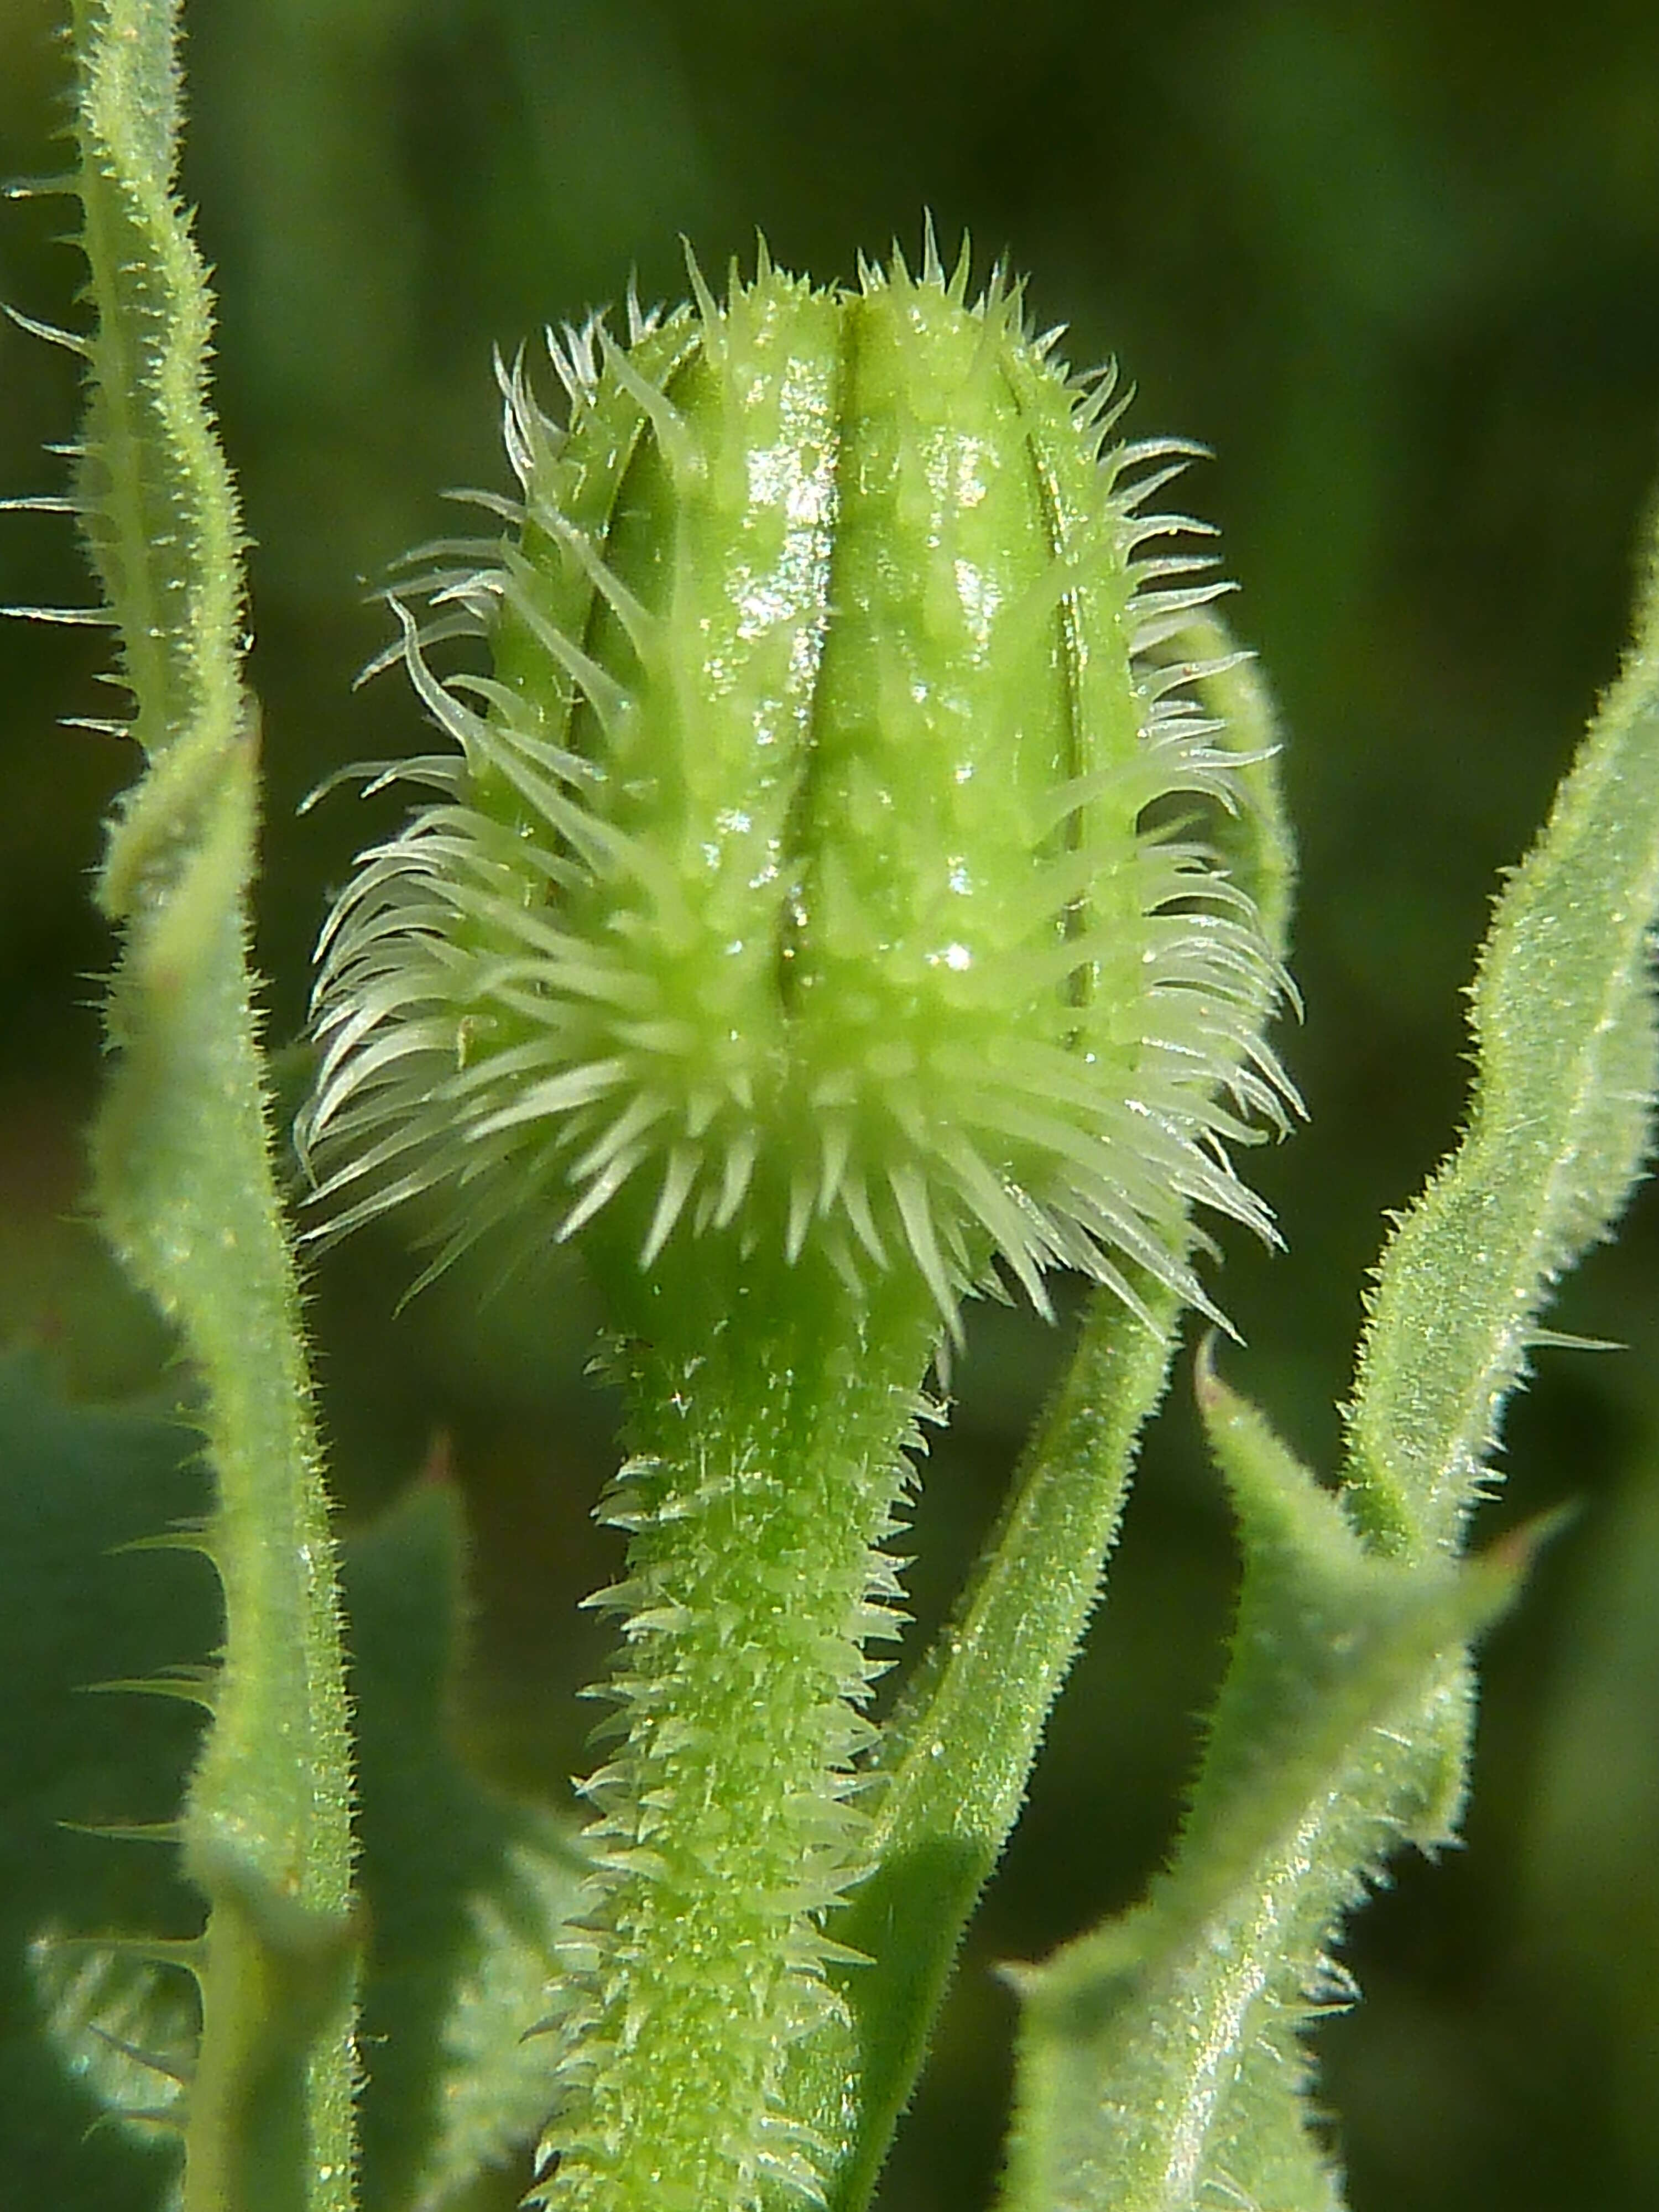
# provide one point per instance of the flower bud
(805, 864)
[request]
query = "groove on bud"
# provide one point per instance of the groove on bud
(811, 858)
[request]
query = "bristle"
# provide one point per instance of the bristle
(933, 270)
(666, 418)
(153, 2061)
(956, 290)
(736, 1174)
(572, 352)
(639, 320)
(703, 299)
(516, 427)
(642, 627)
(679, 1181)
(69, 617)
(800, 1216)
(68, 186)
(128, 1832)
(192, 1686)
(100, 725)
(607, 697)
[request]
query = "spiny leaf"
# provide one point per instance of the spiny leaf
(1559, 1127)
(1160, 2061)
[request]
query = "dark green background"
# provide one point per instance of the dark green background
(1399, 265)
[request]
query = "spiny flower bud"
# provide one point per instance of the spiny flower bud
(806, 861)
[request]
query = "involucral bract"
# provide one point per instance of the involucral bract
(818, 853)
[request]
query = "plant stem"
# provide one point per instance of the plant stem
(770, 1410)
(182, 1162)
(955, 1759)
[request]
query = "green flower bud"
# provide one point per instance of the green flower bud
(806, 864)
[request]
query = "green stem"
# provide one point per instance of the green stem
(269, 2116)
(956, 1759)
(771, 1408)
(182, 1164)
(183, 1177)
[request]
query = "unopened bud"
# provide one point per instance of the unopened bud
(805, 864)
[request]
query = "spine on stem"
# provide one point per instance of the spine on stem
(812, 916)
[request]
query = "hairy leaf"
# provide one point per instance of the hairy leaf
(1159, 2056)
(1559, 1127)
(466, 1891)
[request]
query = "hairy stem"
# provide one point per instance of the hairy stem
(955, 1759)
(182, 1164)
(771, 1408)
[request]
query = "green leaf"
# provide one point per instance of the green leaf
(1159, 2057)
(1560, 1127)
(466, 1891)
(75, 1486)
(1160, 2065)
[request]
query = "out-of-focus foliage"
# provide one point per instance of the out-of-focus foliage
(461, 1889)
(1400, 266)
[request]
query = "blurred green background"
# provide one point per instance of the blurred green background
(1398, 264)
